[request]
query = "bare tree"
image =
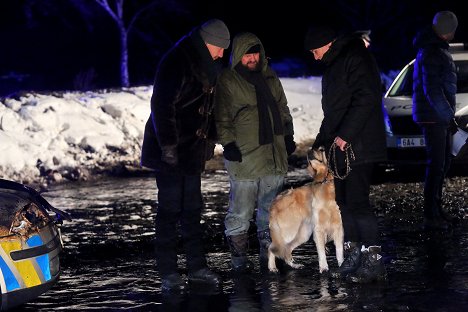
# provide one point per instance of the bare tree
(115, 9)
(135, 16)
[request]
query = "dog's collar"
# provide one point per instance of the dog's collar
(325, 180)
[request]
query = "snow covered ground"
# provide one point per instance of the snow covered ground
(73, 134)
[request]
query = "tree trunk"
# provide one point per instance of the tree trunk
(124, 77)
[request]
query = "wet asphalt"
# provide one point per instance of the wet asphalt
(108, 261)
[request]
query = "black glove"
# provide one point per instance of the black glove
(290, 144)
(169, 155)
(453, 126)
(317, 143)
(232, 152)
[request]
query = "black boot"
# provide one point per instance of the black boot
(172, 282)
(205, 276)
(264, 241)
(433, 220)
(352, 260)
(435, 224)
(372, 267)
(238, 244)
(450, 219)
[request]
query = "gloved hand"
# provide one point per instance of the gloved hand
(453, 126)
(290, 144)
(169, 155)
(317, 143)
(232, 152)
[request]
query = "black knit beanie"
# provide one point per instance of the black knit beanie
(318, 36)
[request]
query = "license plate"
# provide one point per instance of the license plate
(411, 142)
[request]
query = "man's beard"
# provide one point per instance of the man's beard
(252, 67)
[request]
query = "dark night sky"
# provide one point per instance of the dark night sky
(51, 54)
(282, 27)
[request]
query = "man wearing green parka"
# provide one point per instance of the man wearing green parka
(255, 127)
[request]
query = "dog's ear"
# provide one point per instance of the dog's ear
(311, 169)
(310, 154)
(323, 156)
(317, 169)
(322, 170)
(315, 153)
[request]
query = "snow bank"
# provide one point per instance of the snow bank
(73, 134)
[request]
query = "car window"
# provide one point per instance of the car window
(462, 76)
(404, 85)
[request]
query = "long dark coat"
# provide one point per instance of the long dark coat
(181, 107)
(352, 101)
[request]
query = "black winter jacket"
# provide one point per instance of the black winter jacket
(434, 80)
(181, 107)
(351, 101)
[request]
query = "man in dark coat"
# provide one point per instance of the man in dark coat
(353, 133)
(178, 139)
(434, 89)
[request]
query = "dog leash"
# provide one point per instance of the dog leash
(333, 166)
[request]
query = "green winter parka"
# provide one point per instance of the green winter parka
(236, 117)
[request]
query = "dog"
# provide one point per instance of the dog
(297, 213)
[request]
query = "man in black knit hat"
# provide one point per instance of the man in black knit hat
(434, 90)
(353, 130)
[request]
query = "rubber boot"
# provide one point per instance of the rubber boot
(433, 221)
(435, 224)
(447, 217)
(172, 282)
(264, 241)
(352, 260)
(238, 244)
(372, 267)
(443, 213)
(204, 275)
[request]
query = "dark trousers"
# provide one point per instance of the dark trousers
(352, 196)
(179, 203)
(438, 153)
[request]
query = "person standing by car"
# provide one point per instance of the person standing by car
(255, 127)
(434, 89)
(177, 143)
(352, 131)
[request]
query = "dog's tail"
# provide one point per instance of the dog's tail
(279, 246)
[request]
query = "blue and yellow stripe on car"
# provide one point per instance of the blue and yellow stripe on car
(26, 263)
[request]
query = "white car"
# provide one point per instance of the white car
(405, 142)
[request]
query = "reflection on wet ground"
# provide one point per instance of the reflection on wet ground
(108, 262)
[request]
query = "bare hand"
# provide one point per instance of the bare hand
(340, 143)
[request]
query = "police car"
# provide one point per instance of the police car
(30, 244)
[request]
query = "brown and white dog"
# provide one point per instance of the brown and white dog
(297, 213)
